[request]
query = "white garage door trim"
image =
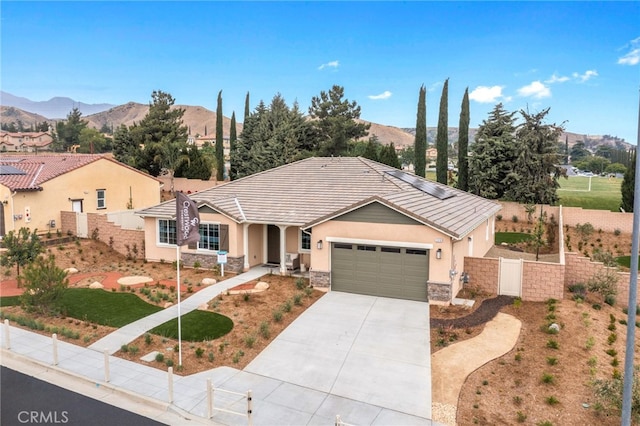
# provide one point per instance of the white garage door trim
(402, 244)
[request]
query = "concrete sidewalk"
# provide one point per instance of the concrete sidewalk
(124, 335)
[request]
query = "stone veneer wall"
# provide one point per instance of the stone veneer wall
(320, 279)
(483, 273)
(124, 241)
(439, 292)
(68, 223)
(234, 264)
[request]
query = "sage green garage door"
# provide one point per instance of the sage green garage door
(401, 273)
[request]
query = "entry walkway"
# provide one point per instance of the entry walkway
(124, 335)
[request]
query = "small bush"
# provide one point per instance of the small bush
(518, 357)
(553, 344)
(199, 352)
(514, 218)
(592, 362)
(517, 400)
(612, 338)
(148, 339)
(277, 315)
(611, 352)
(124, 348)
(591, 341)
(521, 417)
(264, 330)
(160, 357)
(297, 299)
(551, 400)
(286, 306)
(246, 296)
(552, 360)
(300, 283)
(547, 378)
(211, 356)
(169, 363)
(249, 341)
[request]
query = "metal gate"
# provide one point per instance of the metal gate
(82, 226)
(510, 277)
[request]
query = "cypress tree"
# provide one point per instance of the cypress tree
(463, 143)
(219, 140)
(246, 108)
(233, 138)
(628, 185)
(420, 143)
(442, 137)
(566, 149)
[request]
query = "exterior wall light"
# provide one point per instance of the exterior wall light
(439, 254)
(319, 244)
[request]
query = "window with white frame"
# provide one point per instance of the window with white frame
(166, 231)
(209, 236)
(101, 195)
(305, 241)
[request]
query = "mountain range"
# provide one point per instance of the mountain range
(201, 121)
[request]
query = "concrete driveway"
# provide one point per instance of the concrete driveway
(369, 349)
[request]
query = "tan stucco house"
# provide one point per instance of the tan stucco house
(25, 141)
(34, 189)
(356, 225)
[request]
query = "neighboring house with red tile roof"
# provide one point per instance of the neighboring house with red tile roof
(25, 141)
(34, 189)
(360, 226)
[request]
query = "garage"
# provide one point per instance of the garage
(386, 271)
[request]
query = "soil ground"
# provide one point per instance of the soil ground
(508, 390)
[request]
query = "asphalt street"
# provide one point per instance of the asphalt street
(25, 400)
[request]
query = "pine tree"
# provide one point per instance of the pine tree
(233, 140)
(463, 143)
(535, 173)
(493, 154)
(442, 137)
(372, 148)
(219, 141)
(389, 156)
(420, 143)
(628, 185)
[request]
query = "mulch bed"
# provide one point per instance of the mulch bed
(488, 309)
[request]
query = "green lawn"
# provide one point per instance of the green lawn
(9, 301)
(197, 326)
(604, 194)
(105, 308)
(625, 261)
(512, 237)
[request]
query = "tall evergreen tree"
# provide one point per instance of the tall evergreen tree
(442, 136)
(566, 149)
(493, 154)
(389, 156)
(219, 141)
(535, 174)
(463, 143)
(247, 110)
(233, 140)
(335, 121)
(67, 132)
(628, 185)
(420, 142)
(372, 149)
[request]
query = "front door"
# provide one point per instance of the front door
(273, 244)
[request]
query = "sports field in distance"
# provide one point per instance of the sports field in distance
(602, 194)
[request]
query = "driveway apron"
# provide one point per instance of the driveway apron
(365, 348)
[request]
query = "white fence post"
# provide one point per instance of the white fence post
(107, 375)
(54, 339)
(7, 340)
(249, 408)
(209, 400)
(170, 377)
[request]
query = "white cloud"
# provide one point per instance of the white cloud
(536, 89)
(586, 76)
(486, 94)
(633, 56)
(384, 95)
(332, 64)
(557, 79)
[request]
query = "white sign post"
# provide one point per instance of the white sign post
(222, 260)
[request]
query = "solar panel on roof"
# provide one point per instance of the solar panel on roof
(10, 170)
(422, 185)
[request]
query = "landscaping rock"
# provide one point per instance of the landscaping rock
(70, 271)
(554, 327)
(150, 357)
(167, 305)
(261, 285)
(203, 307)
(96, 285)
(209, 281)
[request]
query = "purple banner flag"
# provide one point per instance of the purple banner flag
(187, 220)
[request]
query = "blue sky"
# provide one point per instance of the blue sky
(581, 59)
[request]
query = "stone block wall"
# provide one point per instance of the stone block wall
(439, 292)
(580, 269)
(542, 281)
(320, 279)
(124, 241)
(209, 261)
(483, 273)
(68, 223)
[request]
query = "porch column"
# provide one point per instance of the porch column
(265, 245)
(283, 249)
(245, 243)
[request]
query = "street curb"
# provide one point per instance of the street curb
(153, 403)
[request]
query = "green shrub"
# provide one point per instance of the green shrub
(553, 344)
(277, 315)
(160, 357)
(552, 360)
(286, 306)
(611, 352)
(297, 299)
(521, 417)
(547, 378)
(551, 400)
(612, 338)
(300, 283)
(264, 330)
(249, 340)
(133, 349)
(124, 349)
(148, 339)
(169, 363)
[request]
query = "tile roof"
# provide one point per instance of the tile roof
(310, 191)
(41, 168)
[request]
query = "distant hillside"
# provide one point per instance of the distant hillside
(57, 107)
(11, 114)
